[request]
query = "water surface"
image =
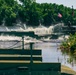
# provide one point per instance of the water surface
(52, 53)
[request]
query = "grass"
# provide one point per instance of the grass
(67, 71)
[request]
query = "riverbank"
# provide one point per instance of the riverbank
(67, 71)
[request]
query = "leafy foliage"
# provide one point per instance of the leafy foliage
(71, 42)
(69, 47)
(33, 13)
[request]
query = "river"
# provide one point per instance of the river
(50, 50)
(52, 53)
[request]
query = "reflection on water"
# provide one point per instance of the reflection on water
(51, 53)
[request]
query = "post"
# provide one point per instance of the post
(72, 20)
(22, 42)
(72, 11)
(31, 48)
(31, 59)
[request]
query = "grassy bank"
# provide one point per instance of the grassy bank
(67, 71)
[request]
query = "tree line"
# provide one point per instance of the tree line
(34, 14)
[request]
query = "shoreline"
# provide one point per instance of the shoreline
(67, 70)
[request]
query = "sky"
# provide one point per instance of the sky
(68, 3)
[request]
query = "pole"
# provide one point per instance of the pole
(31, 59)
(22, 42)
(72, 11)
(31, 48)
(72, 18)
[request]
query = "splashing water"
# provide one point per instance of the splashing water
(7, 37)
(40, 30)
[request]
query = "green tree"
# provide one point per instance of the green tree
(33, 13)
(8, 11)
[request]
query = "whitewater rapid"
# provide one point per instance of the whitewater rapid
(40, 30)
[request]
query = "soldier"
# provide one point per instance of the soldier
(69, 24)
